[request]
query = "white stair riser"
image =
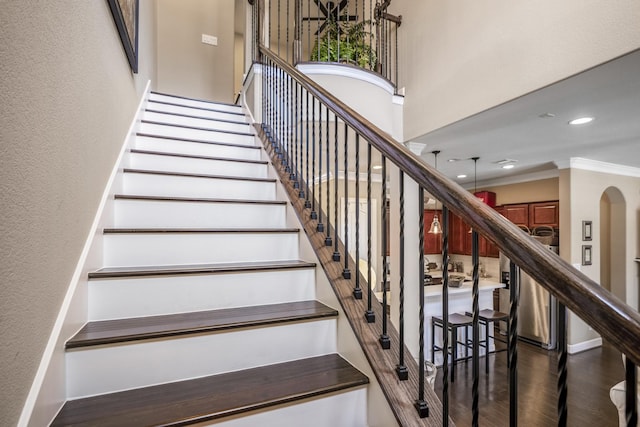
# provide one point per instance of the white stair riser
(196, 112)
(184, 186)
(196, 148)
(152, 296)
(335, 410)
(172, 214)
(204, 135)
(195, 103)
(196, 122)
(197, 248)
(111, 368)
(198, 166)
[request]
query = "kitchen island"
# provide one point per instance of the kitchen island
(460, 301)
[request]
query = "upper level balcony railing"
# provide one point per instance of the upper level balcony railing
(359, 33)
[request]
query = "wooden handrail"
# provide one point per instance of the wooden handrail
(604, 312)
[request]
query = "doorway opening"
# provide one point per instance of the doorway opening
(613, 242)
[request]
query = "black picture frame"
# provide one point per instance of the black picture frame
(587, 255)
(125, 16)
(587, 230)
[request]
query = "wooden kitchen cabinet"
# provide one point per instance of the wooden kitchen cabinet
(432, 242)
(457, 234)
(544, 213)
(518, 214)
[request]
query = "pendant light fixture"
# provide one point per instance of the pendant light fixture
(435, 228)
(475, 179)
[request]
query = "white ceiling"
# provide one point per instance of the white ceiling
(609, 92)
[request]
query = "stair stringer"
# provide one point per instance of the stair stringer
(379, 413)
(48, 389)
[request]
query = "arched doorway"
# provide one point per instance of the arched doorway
(613, 242)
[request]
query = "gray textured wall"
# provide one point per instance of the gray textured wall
(67, 96)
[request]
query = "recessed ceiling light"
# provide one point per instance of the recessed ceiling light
(462, 176)
(581, 121)
(453, 160)
(377, 167)
(508, 166)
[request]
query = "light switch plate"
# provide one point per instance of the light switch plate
(212, 40)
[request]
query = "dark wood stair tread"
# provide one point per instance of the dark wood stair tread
(202, 399)
(150, 327)
(197, 199)
(233, 132)
(196, 175)
(207, 101)
(189, 116)
(199, 230)
(198, 141)
(112, 272)
(195, 156)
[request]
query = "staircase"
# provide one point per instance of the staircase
(203, 312)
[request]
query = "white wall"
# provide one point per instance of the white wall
(67, 96)
(586, 188)
(458, 58)
(186, 66)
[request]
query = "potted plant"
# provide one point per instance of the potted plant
(346, 43)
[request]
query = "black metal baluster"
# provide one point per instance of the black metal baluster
(421, 404)
(562, 365)
(385, 342)
(295, 140)
(327, 239)
(396, 55)
(369, 314)
(514, 296)
(314, 214)
(336, 253)
(630, 401)
(445, 315)
(307, 202)
(309, 26)
(401, 369)
(346, 273)
(475, 259)
(285, 129)
(357, 291)
(278, 28)
(320, 226)
(287, 24)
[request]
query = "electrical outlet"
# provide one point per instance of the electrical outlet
(212, 40)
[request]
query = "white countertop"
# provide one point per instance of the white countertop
(483, 285)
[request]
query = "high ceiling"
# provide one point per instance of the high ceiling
(533, 130)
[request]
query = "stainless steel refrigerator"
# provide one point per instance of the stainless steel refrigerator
(537, 310)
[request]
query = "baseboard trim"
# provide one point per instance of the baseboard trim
(584, 345)
(49, 404)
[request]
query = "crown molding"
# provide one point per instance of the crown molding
(598, 166)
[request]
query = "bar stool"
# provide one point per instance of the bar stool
(456, 321)
(487, 317)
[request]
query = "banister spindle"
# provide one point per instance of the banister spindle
(421, 404)
(475, 326)
(357, 291)
(445, 317)
(385, 342)
(327, 239)
(346, 273)
(314, 213)
(307, 202)
(294, 138)
(562, 365)
(336, 253)
(401, 369)
(369, 314)
(631, 402)
(514, 300)
(320, 226)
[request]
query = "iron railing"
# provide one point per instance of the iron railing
(358, 33)
(307, 130)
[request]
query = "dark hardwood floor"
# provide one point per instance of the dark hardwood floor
(590, 376)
